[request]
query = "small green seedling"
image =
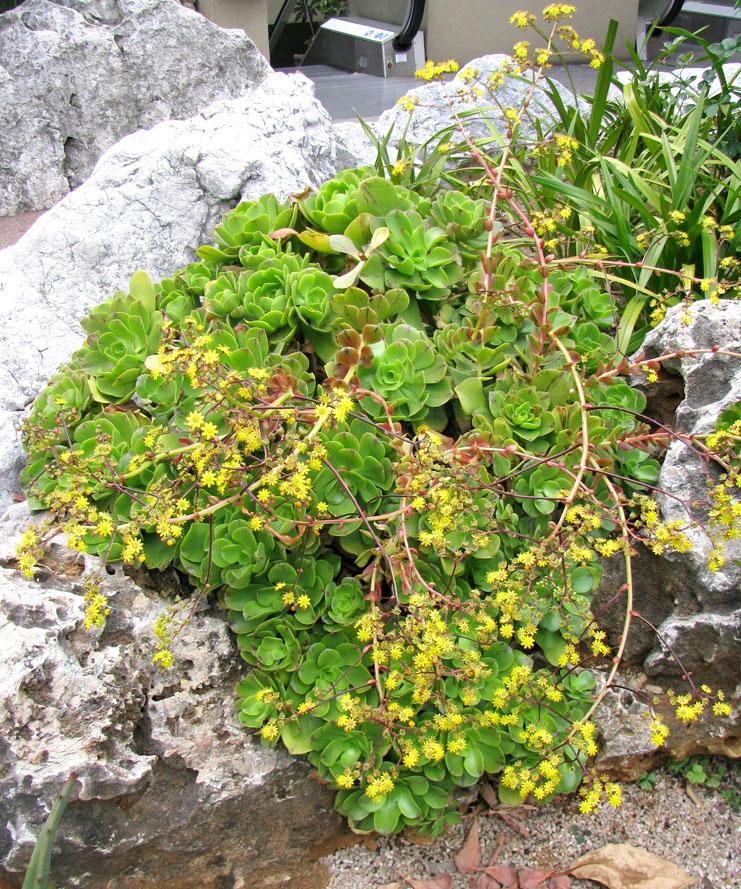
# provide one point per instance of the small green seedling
(37, 875)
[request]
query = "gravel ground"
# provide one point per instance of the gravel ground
(703, 837)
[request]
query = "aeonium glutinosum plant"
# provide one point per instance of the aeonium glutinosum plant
(394, 438)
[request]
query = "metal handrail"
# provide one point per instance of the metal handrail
(286, 11)
(410, 25)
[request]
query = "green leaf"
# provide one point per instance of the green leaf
(407, 804)
(141, 288)
(507, 796)
(296, 739)
(552, 644)
(471, 395)
(387, 817)
(473, 762)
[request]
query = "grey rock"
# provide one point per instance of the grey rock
(151, 200)
(78, 75)
(173, 792)
(685, 84)
(354, 148)
(623, 722)
(696, 611)
(433, 112)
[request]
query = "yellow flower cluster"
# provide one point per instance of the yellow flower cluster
(522, 20)
(96, 605)
(28, 551)
(379, 786)
(554, 12)
(436, 71)
(595, 791)
(541, 780)
(659, 730)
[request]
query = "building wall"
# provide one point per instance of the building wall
(464, 29)
(249, 15)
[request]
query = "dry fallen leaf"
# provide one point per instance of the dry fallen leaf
(498, 851)
(620, 866)
(469, 858)
(532, 879)
(559, 882)
(490, 796)
(483, 881)
(443, 881)
(391, 886)
(506, 876)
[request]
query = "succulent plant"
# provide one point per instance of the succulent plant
(359, 436)
(121, 334)
(345, 603)
(333, 207)
(244, 225)
(279, 592)
(330, 668)
(463, 218)
(408, 372)
(469, 357)
(417, 256)
(227, 552)
(58, 408)
(362, 469)
(274, 647)
(518, 413)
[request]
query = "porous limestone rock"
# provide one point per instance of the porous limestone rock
(78, 75)
(686, 84)
(173, 793)
(151, 200)
(432, 112)
(623, 722)
(697, 611)
(708, 636)
(354, 148)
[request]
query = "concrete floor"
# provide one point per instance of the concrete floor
(349, 96)
(12, 227)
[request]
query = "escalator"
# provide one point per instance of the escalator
(362, 45)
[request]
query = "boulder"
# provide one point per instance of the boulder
(173, 791)
(433, 113)
(354, 148)
(151, 200)
(708, 635)
(696, 611)
(78, 75)
(623, 718)
(685, 84)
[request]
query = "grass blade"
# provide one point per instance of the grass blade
(602, 87)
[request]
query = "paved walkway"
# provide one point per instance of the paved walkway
(12, 227)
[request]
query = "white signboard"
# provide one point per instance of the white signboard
(357, 29)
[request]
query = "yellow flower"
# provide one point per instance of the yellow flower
(521, 20)
(556, 11)
(379, 786)
(270, 731)
(520, 49)
(407, 103)
(164, 658)
(194, 420)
